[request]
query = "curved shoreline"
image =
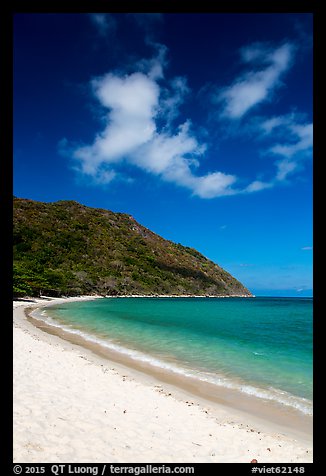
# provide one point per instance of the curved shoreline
(218, 388)
(289, 418)
(226, 404)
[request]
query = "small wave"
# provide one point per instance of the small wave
(281, 397)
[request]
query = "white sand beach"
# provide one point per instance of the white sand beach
(71, 405)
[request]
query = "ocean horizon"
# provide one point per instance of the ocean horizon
(261, 347)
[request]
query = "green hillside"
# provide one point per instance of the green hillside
(65, 248)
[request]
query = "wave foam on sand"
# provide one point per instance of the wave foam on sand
(71, 405)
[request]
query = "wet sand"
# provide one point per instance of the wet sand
(163, 414)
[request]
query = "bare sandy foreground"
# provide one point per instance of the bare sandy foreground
(72, 406)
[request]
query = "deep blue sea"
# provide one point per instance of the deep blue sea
(259, 346)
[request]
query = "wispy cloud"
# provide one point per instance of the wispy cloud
(292, 136)
(306, 248)
(258, 185)
(302, 141)
(141, 129)
(294, 142)
(173, 98)
(104, 23)
(154, 67)
(256, 85)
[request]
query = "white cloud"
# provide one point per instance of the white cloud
(130, 135)
(133, 95)
(254, 87)
(165, 154)
(132, 101)
(306, 248)
(212, 185)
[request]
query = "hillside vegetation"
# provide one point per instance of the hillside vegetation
(65, 248)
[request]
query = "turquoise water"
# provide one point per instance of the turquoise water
(260, 346)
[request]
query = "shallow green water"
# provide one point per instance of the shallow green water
(261, 346)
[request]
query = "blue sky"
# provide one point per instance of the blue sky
(199, 125)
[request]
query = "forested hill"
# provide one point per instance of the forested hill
(65, 248)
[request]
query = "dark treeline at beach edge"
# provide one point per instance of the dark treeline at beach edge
(65, 248)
